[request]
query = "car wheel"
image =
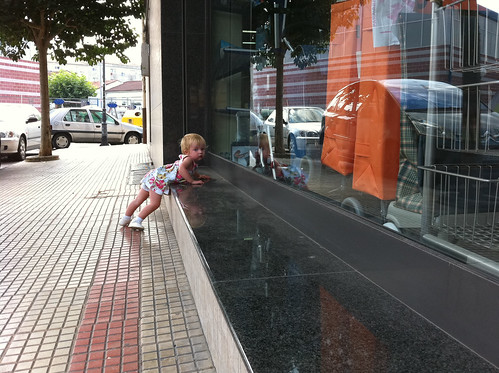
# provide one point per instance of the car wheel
(392, 226)
(61, 141)
(353, 205)
(307, 165)
(132, 138)
(21, 149)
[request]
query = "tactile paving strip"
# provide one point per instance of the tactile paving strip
(78, 292)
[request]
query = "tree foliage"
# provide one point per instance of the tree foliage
(304, 28)
(85, 30)
(307, 28)
(66, 84)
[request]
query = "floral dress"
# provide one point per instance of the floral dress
(160, 178)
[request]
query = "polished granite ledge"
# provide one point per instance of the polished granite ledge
(296, 307)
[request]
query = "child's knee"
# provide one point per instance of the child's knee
(155, 200)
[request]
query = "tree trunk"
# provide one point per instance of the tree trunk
(279, 83)
(46, 140)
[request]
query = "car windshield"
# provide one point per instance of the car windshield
(416, 95)
(303, 115)
(12, 116)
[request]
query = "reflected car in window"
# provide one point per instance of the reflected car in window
(301, 126)
(85, 125)
(20, 129)
(436, 108)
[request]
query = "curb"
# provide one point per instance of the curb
(42, 158)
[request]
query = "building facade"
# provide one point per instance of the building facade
(114, 71)
(19, 82)
(387, 151)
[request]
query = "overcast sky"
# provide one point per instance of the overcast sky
(133, 53)
(491, 4)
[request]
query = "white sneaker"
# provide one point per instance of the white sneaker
(125, 220)
(136, 225)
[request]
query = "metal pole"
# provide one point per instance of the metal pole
(104, 141)
(277, 31)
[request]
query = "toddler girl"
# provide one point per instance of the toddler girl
(157, 181)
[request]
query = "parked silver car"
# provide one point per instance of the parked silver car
(19, 129)
(301, 126)
(85, 125)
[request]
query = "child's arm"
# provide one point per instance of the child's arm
(201, 177)
(183, 170)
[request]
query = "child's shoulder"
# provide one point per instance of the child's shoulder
(186, 159)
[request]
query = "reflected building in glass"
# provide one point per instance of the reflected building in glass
(355, 147)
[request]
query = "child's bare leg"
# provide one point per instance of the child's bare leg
(154, 202)
(134, 205)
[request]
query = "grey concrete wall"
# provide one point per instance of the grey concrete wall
(155, 118)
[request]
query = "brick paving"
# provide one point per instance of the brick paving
(78, 293)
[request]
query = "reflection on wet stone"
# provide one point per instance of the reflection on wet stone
(295, 307)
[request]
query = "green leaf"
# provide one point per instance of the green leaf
(69, 85)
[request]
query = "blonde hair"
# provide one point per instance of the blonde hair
(189, 140)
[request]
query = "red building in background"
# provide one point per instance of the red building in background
(19, 82)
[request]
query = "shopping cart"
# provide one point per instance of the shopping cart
(463, 204)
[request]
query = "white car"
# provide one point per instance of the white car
(301, 126)
(85, 125)
(20, 129)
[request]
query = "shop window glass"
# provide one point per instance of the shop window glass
(402, 111)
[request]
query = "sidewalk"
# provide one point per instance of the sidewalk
(78, 293)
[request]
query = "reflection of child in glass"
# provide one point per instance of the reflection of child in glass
(291, 175)
(157, 181)
(193, 208)
(263, 159)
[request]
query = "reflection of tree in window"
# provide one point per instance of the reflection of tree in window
(362, 99)
(97, 116)
(83, 116)
(342, 103)
(348, 100)
(76, 116)
(333, 104)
